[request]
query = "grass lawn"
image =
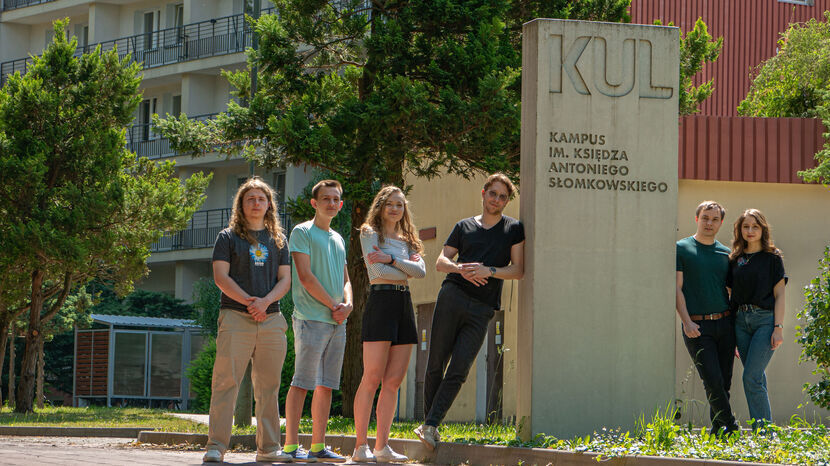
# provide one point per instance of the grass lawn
(141, 417)
(100, 417)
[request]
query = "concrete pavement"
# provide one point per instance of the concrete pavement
(103, 451)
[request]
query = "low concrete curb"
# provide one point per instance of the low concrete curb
(455, 453)
(38, 431)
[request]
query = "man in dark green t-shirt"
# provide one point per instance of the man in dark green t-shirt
(703, 307)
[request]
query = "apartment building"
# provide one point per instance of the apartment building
(182, 46)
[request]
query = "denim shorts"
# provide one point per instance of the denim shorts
(318, 354)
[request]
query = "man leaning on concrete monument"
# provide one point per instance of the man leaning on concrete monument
(490, 249)
(703, 307)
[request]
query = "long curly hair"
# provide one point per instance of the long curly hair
(739, 244)
(272, 223)
(406, 227)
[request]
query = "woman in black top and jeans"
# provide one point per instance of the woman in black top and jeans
(757, 279)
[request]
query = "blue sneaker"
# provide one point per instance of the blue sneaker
(327, 456)
(299, 456)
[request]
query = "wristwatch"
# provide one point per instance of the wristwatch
(779, 326)
(492, 271)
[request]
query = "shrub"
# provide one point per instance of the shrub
(814, 336)
(200, 374)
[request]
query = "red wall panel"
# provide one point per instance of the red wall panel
(750, 30)
(765, 150)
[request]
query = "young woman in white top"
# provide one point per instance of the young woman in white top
(392, 252)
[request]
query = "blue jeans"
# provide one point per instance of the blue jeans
(753, 333)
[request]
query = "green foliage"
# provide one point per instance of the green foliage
(793, 81)
(696, 49)
(821, 172)
(75, 204)
(200, 374)
(815, 334)
(366, 92)
(139, 303)
(206, 301)
(300, 210)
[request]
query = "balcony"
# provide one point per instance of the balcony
(15, 4)
(210, 38)
(145, 142)
(202, 230)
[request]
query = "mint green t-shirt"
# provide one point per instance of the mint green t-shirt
(326, 251)
(704, 268)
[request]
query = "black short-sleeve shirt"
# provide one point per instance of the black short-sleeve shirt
(753, 277)
(253, 267)
(490, 246)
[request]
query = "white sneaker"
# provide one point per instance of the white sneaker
(276, 456)
(387, 455)
(428, 435)
(363, 454)
(213, 455)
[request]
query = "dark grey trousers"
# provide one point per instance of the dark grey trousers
(459, 326)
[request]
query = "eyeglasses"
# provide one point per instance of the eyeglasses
(494, 195)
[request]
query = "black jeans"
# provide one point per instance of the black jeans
(713, 353)
(459, 326)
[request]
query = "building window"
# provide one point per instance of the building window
(179, 22)
(279, 189)
(152, 23)
(145, 116)
(177, 106)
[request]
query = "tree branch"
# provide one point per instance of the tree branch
(67, 284)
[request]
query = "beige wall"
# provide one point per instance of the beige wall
(800, 218)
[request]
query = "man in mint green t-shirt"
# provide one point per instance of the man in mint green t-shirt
(322, 297)
(703, 307)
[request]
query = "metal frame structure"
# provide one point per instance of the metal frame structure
(147, 326)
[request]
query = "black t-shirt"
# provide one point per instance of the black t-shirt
(753, 277)
(253, 268)
(488, 246)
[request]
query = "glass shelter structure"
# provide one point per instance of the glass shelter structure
(129, 361)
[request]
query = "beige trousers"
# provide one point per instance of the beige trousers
(240, 339)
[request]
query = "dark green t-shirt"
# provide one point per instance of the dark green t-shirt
(704, 270)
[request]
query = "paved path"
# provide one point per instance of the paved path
(101, 451)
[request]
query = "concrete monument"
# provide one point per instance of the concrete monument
(599, 204)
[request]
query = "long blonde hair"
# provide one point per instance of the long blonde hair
(374, 219)
(239, 224)
(739, 244)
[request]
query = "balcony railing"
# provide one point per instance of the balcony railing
(202, 230)
(145, 142)
(210, 38)
(15, 4)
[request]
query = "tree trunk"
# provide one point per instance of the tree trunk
(25, 389)
(353, 360)
(4, 338)
(244, 401)
(39, 386)
(12, 356)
